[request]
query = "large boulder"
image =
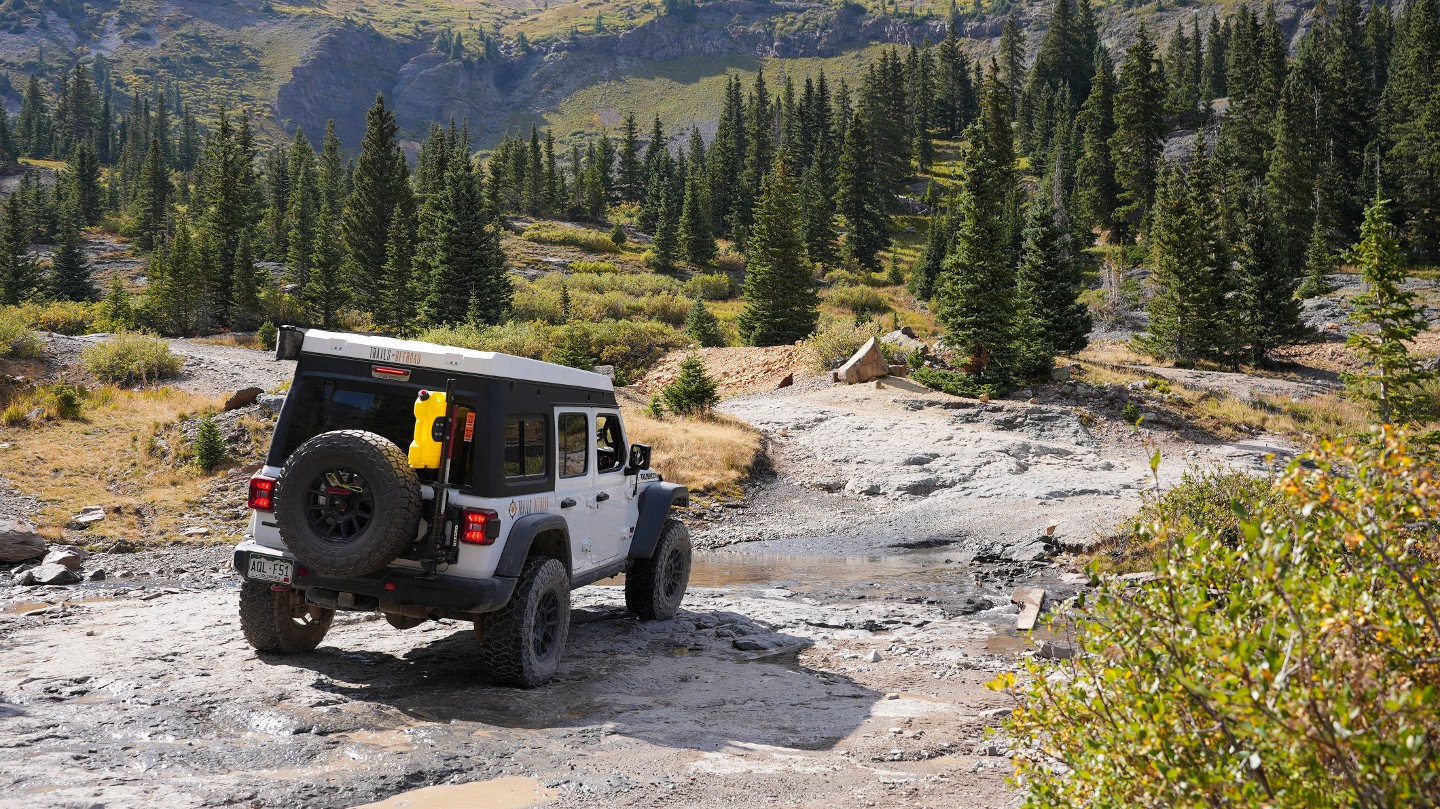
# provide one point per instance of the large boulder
(242, 398)
(867, 364)
(50, 574)
(66, 555)
(18, 541)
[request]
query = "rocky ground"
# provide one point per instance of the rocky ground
(842, 622)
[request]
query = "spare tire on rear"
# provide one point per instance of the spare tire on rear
(348, 503)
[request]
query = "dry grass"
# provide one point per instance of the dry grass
(234, 340)
(105, 459)
(1327, 416)
(709, 455)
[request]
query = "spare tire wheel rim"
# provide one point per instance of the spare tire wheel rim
(338, 505)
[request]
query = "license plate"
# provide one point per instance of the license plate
(269, 568)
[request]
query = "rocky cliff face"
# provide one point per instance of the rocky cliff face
(344, 69)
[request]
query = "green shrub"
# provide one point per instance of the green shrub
(61, 317)
(671, 309)
(1285, 657)
(834, 343)
(617, 235)
(710, 286)
(958, 383)
(593, 267)
(266, 335)
(18, 341)
(693, 392)
(130, 357)
(859, 300)
(209, 449)
(702, 327)
(631, 346)
(633, 284)
(655, 409)
(1130, 413)
(1204, 500)
(61, 401)
(593, 241)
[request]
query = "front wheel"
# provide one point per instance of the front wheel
(655, 587)
(280, 620)
(521, 643)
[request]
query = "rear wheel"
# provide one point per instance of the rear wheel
(655, 587)
(521, 643)
(281, 621)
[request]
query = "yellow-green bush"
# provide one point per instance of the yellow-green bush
(1287, 654)
(130, 357)
(61, 317)
(18, 341)
(593, 267)
(631, 346)
(593, 241)
(835, 342)
(711, 286)
(671, 309)
(859, 300)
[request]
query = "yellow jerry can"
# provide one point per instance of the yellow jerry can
(425, 449)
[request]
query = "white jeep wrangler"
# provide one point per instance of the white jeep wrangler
(430, 482)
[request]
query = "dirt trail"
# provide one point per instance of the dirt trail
(755, 694)
(209, 370)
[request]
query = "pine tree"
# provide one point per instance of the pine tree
(153, 200)
(82, 180)
(1095, 191)
(702, 326)
(331, 171)
(693, 393)
(117, 311)
(631, 180)
(33, 130)
(325, 291)
(381, 183)
(697, 240)
(666, 246)
(1187, 315)
(1049, 276)
(302, 211)
(397, 300)
(1265, 306)
(975, 294)
(229, 197)
(1139, 132)
(20, 276)
(459, 255)
(1319, 262)
(1386, 316)
(781, 305)
(71, 276)
(820, 233)
(1012, 59)
(861, 199)
(245, 280)
(925, 275)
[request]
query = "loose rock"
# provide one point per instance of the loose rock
(50, 574)
(18, 541)
(66, 555)
(242, 398)
(88, 516)
(866, 364)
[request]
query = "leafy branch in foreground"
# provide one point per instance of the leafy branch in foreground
(1294, 665)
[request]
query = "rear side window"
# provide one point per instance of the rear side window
(525, 438)
(323, 405)
(574, 444)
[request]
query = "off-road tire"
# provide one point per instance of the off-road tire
(655, 587)
(342, 533)
(521, 644)
(280, 621)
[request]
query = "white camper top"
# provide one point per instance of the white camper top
(413, 353)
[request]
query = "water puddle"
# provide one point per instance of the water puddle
(509, 792)
(801, 572)
(22, 607)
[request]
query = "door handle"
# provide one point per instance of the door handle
(568, 502)
(602, 497)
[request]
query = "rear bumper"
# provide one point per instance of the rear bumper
(408, 588)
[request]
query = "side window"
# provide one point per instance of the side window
(525, 438)
(609, 443)
(574, 445)
(462, 447)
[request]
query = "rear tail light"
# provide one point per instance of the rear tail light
(479, 526)
(262, 493)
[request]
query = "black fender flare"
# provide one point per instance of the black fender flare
(522, 536)
(655, 504)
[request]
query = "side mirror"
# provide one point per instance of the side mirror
(639, 459)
